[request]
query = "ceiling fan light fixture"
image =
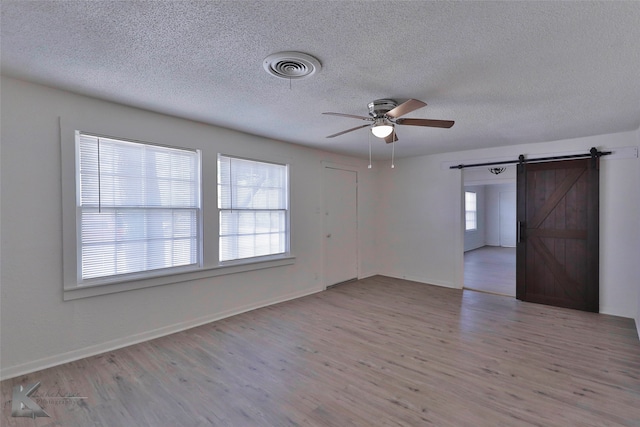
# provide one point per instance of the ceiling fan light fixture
(382, 131)
(382, 128)
(386, 114)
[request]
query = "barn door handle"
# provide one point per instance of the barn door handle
(521, 231)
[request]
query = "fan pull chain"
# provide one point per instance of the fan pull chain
(99, 181)
(369, 149)
(393, 150)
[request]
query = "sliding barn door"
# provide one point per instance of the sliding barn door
(557, 249)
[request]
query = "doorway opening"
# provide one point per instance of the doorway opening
(490, 231)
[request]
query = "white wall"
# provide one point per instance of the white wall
(420, 224)
(474, 239)
(636, 276)
(39, 329)
(420, 236)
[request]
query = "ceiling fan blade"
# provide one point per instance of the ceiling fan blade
(406, 107)
(426, 122)
(393, 137)
(348, 130)
(349, 115)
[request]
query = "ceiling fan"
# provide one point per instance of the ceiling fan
(386, 113)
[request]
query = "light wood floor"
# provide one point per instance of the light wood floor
(375, 352)
(491, 269)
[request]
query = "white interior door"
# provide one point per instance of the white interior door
(341, 225)
(508, 219)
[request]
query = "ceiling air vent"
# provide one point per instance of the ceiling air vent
(291, 65)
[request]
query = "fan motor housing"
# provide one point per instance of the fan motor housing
(380, 107)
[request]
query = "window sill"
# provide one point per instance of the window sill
(129, 284)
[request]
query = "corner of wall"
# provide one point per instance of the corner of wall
(638, 268)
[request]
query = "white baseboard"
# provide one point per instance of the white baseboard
(424, 280)
(367, 275)
(613, 312)
(70, 356)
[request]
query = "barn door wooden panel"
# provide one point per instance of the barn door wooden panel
(557, 249)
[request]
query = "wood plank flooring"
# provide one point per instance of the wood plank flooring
(375, 352)
(491, 269)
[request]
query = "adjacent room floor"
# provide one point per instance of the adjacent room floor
(491, 269)
(374, 352)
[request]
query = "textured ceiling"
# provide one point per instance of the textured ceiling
(506, 72)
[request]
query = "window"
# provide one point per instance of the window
(470, 211)
(138, 207)
(253, 208)
(134, 213)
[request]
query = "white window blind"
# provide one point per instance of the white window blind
(138, 207)
(253, 204)
(471, 214)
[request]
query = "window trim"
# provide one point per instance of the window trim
(210, 267)
(72, 293)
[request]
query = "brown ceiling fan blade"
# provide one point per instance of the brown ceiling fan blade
(406, 107)
(349, 115)
(426, 122)
(348, 130)
(393, 137)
